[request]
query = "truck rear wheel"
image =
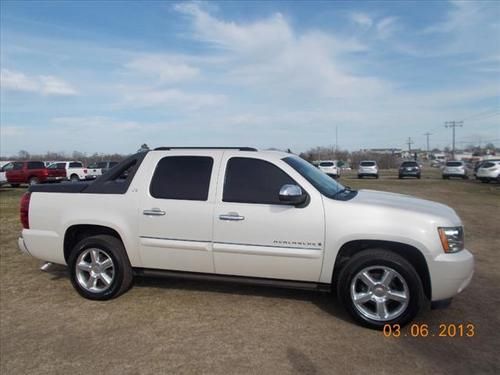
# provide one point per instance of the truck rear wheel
(100, 268)
(378, 287)
(74, 178)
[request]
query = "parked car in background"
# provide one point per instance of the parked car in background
(455, 168)
(480, 163)
(409, 169)
(57, 172)
(330, 167)
(75, 171)
(368, 168)
(489, 171)
(436, 163)
(26, 172)
(99, 168)
(4, 166)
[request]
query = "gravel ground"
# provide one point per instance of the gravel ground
(177, 326)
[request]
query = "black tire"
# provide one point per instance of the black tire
(122, 270)
(33, 180)
(465, 177)
(15, 185)
(418, 176)
(74, 178)
(445, 177)
(380, 257)
(376, 176)
(359, 176)
(484, 180)
(400, 177)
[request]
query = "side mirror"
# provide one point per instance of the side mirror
(292, 194)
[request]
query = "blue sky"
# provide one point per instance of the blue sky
(109, 76)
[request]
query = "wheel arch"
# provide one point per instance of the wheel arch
(77, 232)
(410, 253)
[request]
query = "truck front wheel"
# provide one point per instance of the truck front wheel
(378, 287)
(99, 267)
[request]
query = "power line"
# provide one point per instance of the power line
(453, 125)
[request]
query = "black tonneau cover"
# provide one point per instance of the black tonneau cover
(112, 182)
(63, 187)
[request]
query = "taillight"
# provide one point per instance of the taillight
(84, 171)
(24, 210)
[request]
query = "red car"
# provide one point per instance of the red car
(27, 172)
(57, 172)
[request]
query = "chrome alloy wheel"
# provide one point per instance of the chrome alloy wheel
(94, 270)
(379, 293)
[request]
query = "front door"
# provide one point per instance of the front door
(176, 216)
(257, 235)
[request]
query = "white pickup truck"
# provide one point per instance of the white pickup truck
(249, 216)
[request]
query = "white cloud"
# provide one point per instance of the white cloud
(361, 19)
(45, 85)
(165, 67)
(268, 54)
(174, 98)
(469, 27)
(386, 27)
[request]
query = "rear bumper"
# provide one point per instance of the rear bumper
(58, 178)
(451, 274)
(22, 246)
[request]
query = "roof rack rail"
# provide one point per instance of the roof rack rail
(205, 148)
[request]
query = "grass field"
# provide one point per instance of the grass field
(174, 326)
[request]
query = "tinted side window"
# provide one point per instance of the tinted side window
(36, 165)
(253, 181)
(182, 177)
(18, 166)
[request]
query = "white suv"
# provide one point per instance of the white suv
(455, 168)
(330, 167)
(244, 215)
(368, 168)
(489, 171)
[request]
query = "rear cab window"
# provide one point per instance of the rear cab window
(182, 178)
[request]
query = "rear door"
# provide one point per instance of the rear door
(16, 174)
(176, 218)
(254, 233)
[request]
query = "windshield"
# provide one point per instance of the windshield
(367, 163)
(321, 181)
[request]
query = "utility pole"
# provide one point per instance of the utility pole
(453, 125)
(409, 142)
(336, 139)
(427, 135)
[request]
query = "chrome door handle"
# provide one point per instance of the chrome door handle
(153, 212)
(232, 216)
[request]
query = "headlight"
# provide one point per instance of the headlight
(452, 238)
